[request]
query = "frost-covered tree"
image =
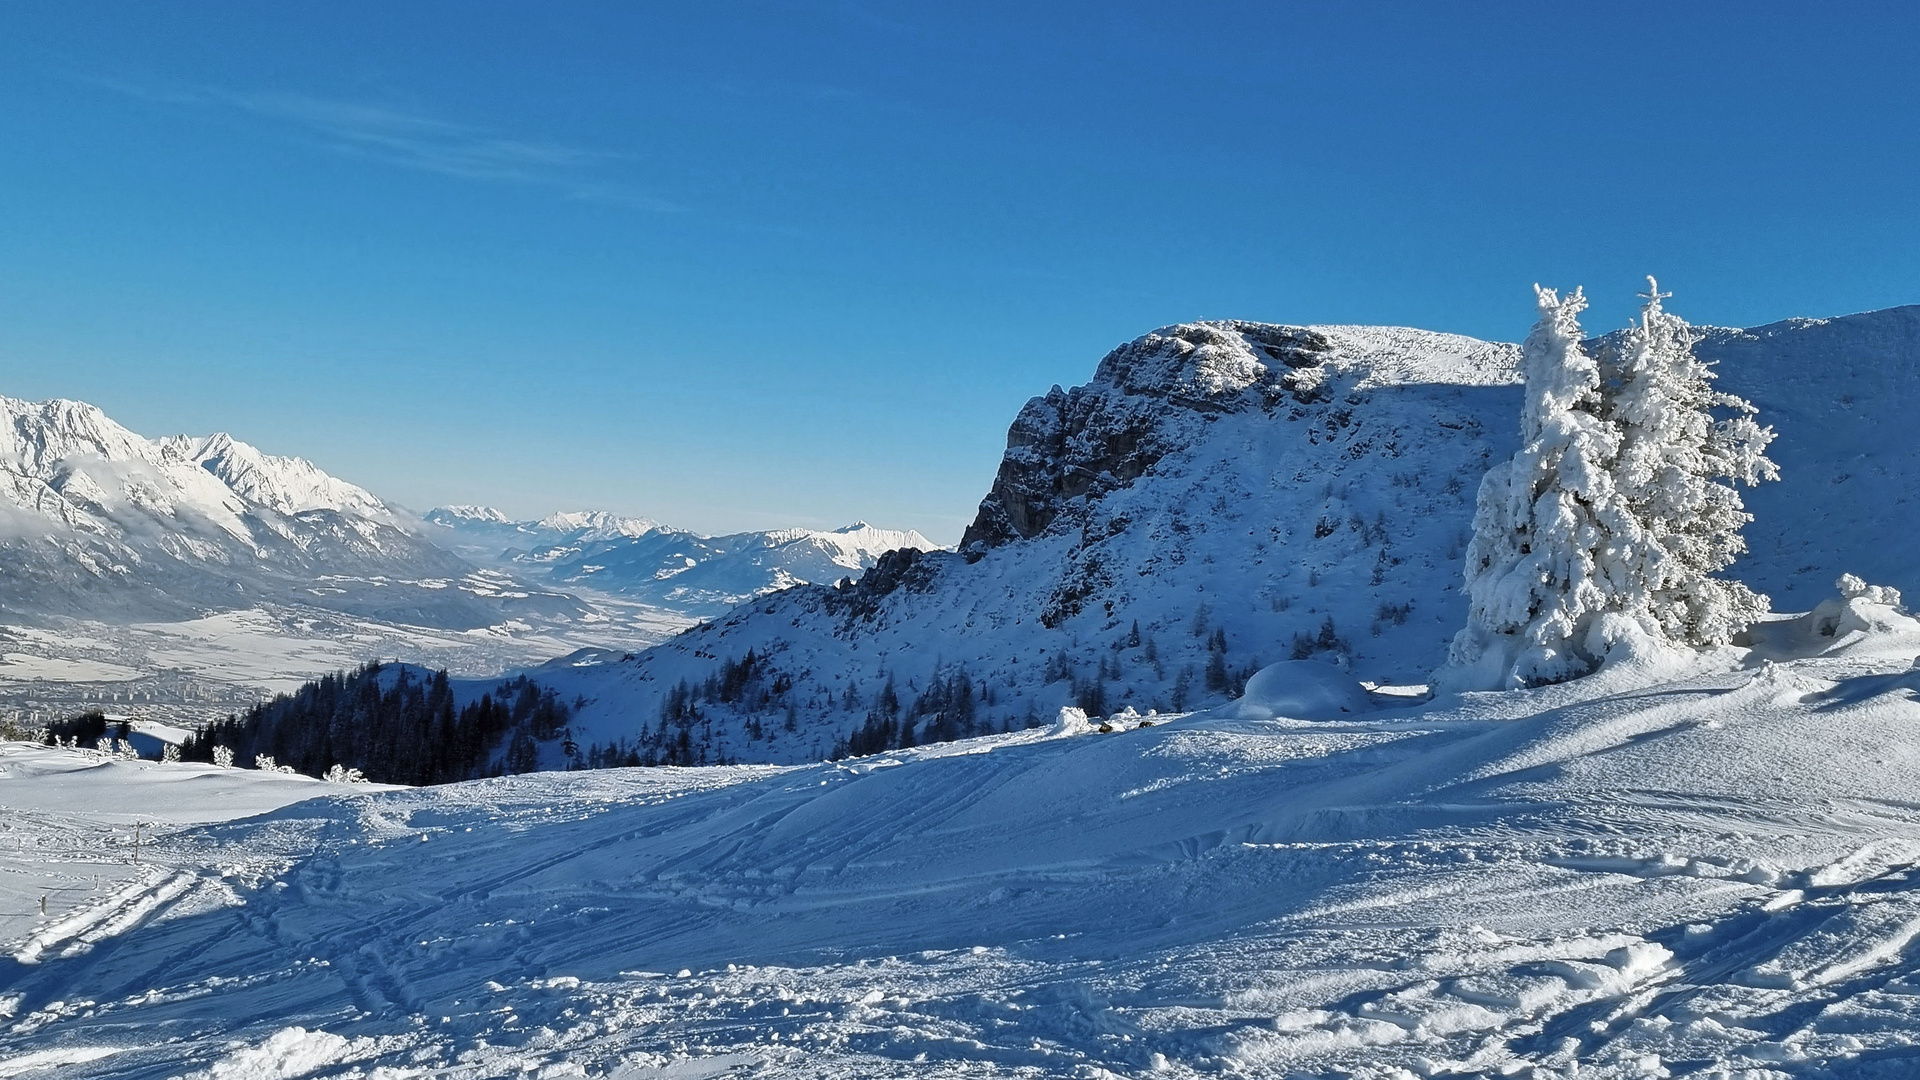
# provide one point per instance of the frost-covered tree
(1549, 522)
(1617, 510)
(1677, 466)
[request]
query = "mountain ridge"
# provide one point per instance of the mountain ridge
(97, 521)
(1222, 495)
(642, 560)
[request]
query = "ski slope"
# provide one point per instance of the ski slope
(1645, 873)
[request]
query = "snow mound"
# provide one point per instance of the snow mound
(1859, 618)
(1301, 690)
(287, 1053)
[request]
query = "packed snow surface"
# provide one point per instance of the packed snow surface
(1712, 872)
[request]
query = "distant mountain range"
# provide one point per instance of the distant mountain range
(642, 560)
(101, 523)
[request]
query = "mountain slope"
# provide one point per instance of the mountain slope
(1716, 876)
(1841, 394)
(98, 522)
(1220, 496)
(1246, 493)
(641, 560)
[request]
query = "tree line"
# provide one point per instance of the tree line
(393, 725)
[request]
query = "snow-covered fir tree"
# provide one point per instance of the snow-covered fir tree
(1677, 466)
(1549, 523)
(1616, 511)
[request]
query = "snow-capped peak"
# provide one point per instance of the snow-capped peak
(597, 524)
(460, 512)
(288, 485)
(39, 435)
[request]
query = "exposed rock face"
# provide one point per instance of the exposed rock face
(1090, 440)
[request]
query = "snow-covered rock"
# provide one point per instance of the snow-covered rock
(1220, 497)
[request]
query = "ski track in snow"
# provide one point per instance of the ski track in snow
(1703, 877)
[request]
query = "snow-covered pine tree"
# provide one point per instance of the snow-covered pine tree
(1547, 524)
(1677, 466)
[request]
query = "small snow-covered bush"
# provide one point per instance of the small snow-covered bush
(1859, 608)
(339, 774)
(1855, 588)
(265, 763)
(223, 757)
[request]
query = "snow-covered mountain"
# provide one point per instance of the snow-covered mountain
(1224, 495)
(642, 560)
(99, 522)
(1220, 496)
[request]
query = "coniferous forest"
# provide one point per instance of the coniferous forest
(394, 724)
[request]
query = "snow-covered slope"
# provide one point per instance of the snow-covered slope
(1841, 394)
(1300, 491)
(642, 560)
(1717, 876)
(98, 522)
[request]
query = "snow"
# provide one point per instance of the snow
(1302, 689)
(286, 484)
(637, 559)
(1700, 863)
(1703, 875)
(99, 523)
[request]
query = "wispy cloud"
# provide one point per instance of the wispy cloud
(413, 140)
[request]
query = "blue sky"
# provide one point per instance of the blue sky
(744, 265)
